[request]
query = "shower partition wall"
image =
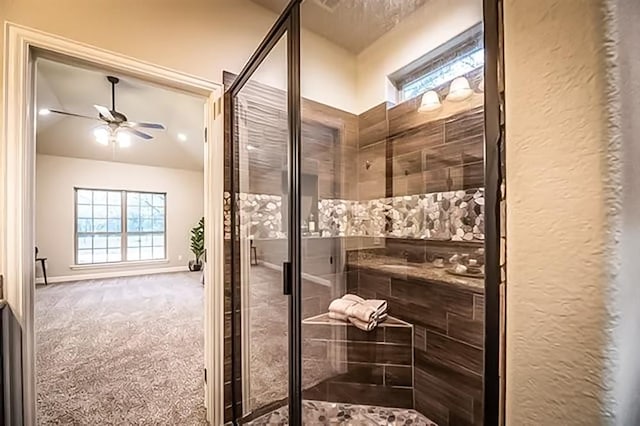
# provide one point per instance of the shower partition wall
(327, 197)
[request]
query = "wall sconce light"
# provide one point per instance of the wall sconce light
(459, 90)
(430, 102)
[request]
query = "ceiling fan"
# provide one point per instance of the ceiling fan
(116, 121)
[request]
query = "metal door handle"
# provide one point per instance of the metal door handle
(286, 278)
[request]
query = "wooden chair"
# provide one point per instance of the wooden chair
(43, 261)
(253, 254)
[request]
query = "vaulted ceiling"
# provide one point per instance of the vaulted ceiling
(75, 89)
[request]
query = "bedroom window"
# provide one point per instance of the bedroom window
(119, 226)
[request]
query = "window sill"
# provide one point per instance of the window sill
(120, 264)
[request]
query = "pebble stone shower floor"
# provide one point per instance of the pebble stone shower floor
(328, 413)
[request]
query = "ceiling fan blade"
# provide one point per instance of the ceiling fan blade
(104, 111)
(157, 126)
(138, 133)
(71, 114)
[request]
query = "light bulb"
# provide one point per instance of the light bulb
(459, 90)
(430, 102)
(102, 136)
(182, 137)
(123, 139)
(44, 111)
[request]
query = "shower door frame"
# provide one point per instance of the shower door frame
(287, 23)
(494, 323)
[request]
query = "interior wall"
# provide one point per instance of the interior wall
(558, 311)
(623, 60)
(56, 178)
(199, 37)
(429, 27)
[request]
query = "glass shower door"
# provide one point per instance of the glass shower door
(259, 179)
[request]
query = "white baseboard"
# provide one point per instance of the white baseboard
(308, 277)
(112, 274)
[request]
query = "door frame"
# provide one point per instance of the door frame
(17, 207)
(288, 23)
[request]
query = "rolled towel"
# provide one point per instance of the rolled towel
(361, 311)
(341, 306)
(338, 316)
(363, 325)
(380, 306)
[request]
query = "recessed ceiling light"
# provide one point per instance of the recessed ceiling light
(182, 137)
(44, 111)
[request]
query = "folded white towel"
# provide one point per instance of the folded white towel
(338, 316)
(353, 298)
(380, 306)
(364, 314)
(361, 311)
(363, 325)
(341, 306)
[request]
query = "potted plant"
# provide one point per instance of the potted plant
(197, 245)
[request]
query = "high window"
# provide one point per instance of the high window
(119, 226)
(462, 55)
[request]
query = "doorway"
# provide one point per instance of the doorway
(119, 221)
(389, 207)
(18, 224)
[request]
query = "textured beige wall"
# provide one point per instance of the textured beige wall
(56, 178)
(200, 37)
(558, 313)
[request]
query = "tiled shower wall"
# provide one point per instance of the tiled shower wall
(416, 178)
(403, 152)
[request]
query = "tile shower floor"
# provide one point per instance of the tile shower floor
(330, 413)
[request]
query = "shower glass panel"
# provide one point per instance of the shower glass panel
(378, 210)
(261, 140)
(392, 212)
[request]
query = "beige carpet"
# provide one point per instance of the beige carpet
(125, 351)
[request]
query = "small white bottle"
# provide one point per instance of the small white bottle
(312, 223)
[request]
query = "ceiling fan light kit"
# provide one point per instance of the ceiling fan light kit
(117, 128)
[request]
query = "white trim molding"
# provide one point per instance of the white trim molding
(112, 274)
(17, 197)
(118, 265)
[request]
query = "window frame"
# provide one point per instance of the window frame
(464, 44)
(124, 232)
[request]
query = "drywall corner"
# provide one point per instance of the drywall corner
(559, 316)
(622, 60)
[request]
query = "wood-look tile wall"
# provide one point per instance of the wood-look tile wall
(448, 341)
(373, 368)
(401, 153)
(395, 152)
(329, 150)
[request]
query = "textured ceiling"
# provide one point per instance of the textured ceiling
(73, 89)
(352, 24)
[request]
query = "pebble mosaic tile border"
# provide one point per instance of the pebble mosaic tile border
(452, 215)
